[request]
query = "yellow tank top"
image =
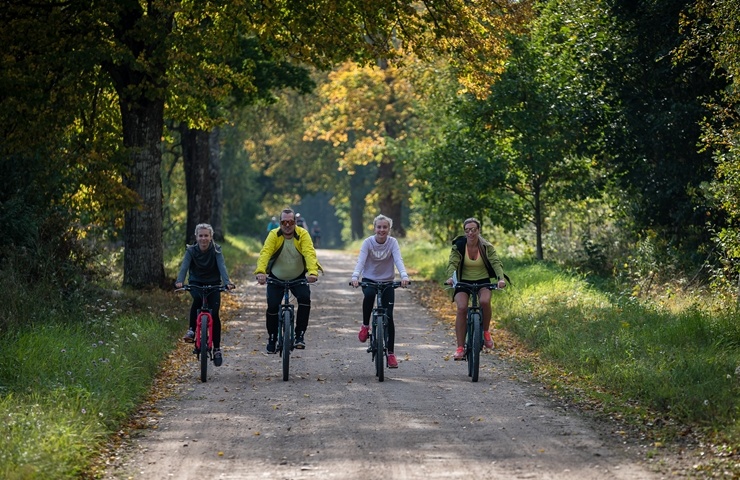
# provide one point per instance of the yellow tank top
(474, 269)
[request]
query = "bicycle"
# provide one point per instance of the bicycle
(286, 319)
(474, 330)
(204, 333)
(378, 347)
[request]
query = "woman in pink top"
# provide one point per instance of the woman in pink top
(378, 256)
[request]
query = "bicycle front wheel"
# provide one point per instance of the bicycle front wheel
(380, 348)
(205, 321)
(477, 334)
(287, 327)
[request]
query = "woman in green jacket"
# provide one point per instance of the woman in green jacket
(473, 260)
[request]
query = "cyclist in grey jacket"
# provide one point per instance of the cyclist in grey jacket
(205, 265)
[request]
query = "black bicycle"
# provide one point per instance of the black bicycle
(204, 326)
(474, 330)
(286, 319)
(378, 347)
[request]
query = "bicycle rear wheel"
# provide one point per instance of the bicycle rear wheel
(205, 321)
(477, 346)
(286, 327)
(380, 348)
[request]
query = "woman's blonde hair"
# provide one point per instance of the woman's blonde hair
(383, 217)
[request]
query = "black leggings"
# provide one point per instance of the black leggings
(214, 303)
(387, 299)
(302, 293)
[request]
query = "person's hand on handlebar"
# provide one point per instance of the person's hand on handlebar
(405, 282)
(178, 285)
(230, 286)
(312, 278)
(261, 278)
(449, 281)
(354, 282)
(502, 283)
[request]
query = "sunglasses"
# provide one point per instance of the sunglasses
(287, 223)
(471, 230)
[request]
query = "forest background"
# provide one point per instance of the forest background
(599, 137)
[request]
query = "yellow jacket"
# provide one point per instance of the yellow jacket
(274, 245)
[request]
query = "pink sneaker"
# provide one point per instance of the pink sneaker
(364, 333)
(392, 362)
(459, 354)
(487, 340)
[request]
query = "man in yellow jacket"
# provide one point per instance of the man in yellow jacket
(288, 254)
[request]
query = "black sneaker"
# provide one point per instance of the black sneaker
(300, 344)
(271, 345)
(189, 337)
(218, 359)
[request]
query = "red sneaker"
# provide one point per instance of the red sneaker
(392, 362)
(487, 340)
(364, 333)
(459, 354)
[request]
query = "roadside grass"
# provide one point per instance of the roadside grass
(684, 364)
(74, 370)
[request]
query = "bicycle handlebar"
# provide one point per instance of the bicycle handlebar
(394, 284)
(475, 287)
(203, 288)
(286, 283)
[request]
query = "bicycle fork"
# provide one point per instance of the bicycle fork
(285, 334)
(198, 350)
(378, 316)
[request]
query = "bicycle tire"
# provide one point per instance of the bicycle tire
(477, 346)
(204, 323)
(287, 342)
(380, 348)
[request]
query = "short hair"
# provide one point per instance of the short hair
(203, 226)
(383, 217)
(287, 211)
(471, 220)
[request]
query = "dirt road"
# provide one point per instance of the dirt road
(333, 419)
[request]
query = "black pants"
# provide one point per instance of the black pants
(214, 303)
(387, 299)
(302, 293)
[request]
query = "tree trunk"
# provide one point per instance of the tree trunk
(214, 144)
(198, 182)
(391, 191)
(357, 192)
(388, 203)
(143, 259)
(538, 219)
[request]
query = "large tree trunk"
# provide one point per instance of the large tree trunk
(138, 73)
(198, 182)
(214, 143)
(143, 259)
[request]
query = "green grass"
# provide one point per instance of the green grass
(679, 363)
(73, 370)
(66, 386)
